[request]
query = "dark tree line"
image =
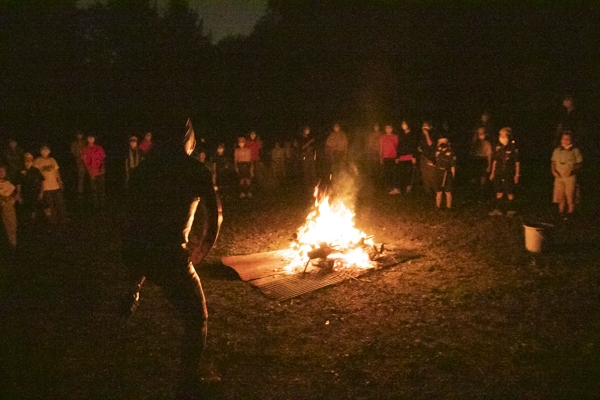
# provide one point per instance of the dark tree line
(125, 66)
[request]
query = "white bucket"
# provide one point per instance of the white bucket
(535, 236)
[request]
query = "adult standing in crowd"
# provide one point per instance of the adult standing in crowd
(93, 158)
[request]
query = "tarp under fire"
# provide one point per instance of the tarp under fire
(266, 271)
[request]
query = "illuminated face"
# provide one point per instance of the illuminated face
(241, 142)
(306, 131)
(481, 133)
(404, 126)
(336, 127)
(91, 140)
(45, 152)
(220, 150)
(567, 103)
(28, 160)
(2, 173)
(252, 135)
(565, 141)
(133, 144)
(503, 138)
(202, 156)
(148, 136)
(389, 129)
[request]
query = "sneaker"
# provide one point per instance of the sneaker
(495, 212)
(511, 213)
(242, 195)
(394, 191)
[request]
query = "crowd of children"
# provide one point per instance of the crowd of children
(31, 188)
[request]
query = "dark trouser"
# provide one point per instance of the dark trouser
(428, 175)
(81, 173)
(389, 173)
(169, 268)
(54, 206)
(405, 174)
(98, 191)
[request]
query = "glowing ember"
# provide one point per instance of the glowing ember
(329, 235)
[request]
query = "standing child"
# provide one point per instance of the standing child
(221, 169)
(32, 190)
(93, 157)
(278, 163)
(406, 161)
(506, 170)
(388, 142)
(134, 157)
(52, 198)
(566, 162)
(7, 207)
(255, 145)
(445, 171)
(242, 160)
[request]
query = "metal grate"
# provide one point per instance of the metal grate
(264, 271)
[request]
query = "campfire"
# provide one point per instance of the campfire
(329, 241)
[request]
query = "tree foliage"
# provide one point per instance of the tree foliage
(124, 66)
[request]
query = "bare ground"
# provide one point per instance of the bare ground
(475, 317)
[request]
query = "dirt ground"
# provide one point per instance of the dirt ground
(475, 317)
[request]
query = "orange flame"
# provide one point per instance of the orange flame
(330, 224)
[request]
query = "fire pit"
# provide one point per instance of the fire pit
(325, 250)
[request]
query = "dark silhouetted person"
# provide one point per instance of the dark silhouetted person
(173, 222)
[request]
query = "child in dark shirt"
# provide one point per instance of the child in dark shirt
(445, 171)
(31, 189)
(506, 170)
